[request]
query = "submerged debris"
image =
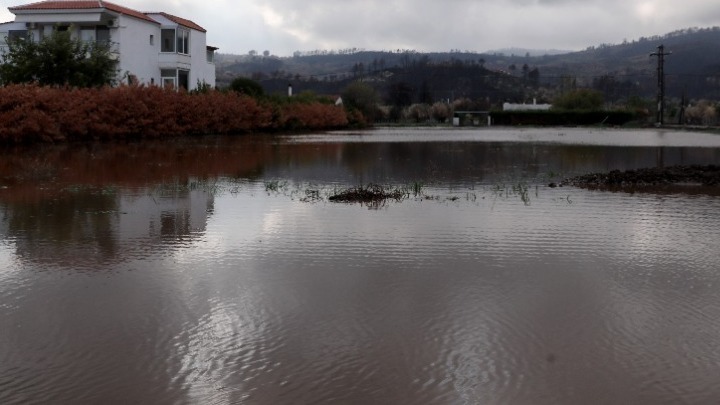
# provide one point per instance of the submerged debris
(702, 175)
(370, 193)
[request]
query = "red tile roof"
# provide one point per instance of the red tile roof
(100, 4)
(182, 21)
(78, 5)
(49, 5)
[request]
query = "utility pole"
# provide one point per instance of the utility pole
(661, 83)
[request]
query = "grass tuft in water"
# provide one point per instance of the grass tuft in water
(519, 189)
(417, 188)
(369, 193)
(275, 186)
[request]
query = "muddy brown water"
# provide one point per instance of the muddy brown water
(216, 271)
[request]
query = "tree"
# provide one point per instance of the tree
(247, 86)
(399, 94)
(441, 112)
(425, 93)
(534, 77)
(580, 99)
(362, 97)
(419, 112)
(59, 60)
(702, 113)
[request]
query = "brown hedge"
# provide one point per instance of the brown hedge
(312, 116)
(31, 113)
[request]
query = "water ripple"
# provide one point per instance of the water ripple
(281, 301)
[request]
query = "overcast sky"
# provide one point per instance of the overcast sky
(284, 26)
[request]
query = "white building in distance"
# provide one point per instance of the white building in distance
(153, 48)
(526, 107)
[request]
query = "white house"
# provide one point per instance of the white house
(153, 48)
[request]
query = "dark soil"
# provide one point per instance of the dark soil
(656, 176)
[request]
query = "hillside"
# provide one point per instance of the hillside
(621, 71)
(693, 66)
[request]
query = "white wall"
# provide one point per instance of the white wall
(3, 34)
(137, 56)
(201, 70)
(196, 62)
(190, 208)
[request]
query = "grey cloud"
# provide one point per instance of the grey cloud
(429, 25)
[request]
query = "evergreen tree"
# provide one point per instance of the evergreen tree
(362, 97)
(580, 99)
(58, 60)
(247, 86)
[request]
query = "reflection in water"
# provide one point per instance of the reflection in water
(50, 225)
(452, 156)
(201, 272)
(82, 228)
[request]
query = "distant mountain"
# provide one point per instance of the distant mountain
(527, 52)
(692, 68)
(621, 71)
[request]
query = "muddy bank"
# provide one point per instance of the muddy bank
(673, 175)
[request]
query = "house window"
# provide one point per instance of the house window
(168, 77)
(46, 31)
(87, 34)
(103, 34)
(168, 82)
(183, 41)
(175, 78)
(99, 34)
(167, 38)
(14, 35)
(210, 56)
(152, 40)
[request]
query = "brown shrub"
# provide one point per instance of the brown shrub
(312, 116)
(31, 113)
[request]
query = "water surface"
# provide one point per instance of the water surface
(215, 270)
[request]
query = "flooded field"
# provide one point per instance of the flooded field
(217, 271)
